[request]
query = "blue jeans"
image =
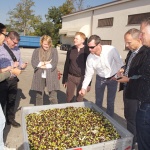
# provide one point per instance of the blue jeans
(2, 125)
(100, 85)
(143, 126)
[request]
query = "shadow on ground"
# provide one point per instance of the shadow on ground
(60, 95)
(20, 95)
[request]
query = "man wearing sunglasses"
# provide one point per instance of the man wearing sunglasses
(8, 88)
(106, 60)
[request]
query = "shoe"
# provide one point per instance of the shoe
(13, 123)
(6, 148)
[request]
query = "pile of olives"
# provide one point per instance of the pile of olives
(70, 127)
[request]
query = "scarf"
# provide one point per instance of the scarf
(44, 55)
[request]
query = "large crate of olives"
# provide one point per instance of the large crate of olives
(115, 137)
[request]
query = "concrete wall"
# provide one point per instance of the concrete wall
(120, 13)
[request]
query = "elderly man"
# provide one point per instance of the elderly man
(10, 58)
(106, 60)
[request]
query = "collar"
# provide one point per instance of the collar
(136, 51)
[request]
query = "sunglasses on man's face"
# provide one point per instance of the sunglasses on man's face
(92, 47)
(3, 34)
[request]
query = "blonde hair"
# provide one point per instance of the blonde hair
(82, 35)
(46, 38)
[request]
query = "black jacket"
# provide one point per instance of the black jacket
(132, 86)
(144, 81)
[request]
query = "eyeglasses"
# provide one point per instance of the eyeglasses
(92, 47)
(3, 34)
(14, 42)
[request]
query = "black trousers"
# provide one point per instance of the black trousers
(8, 93)
(130, 109)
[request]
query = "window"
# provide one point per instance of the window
(105, 22)
(106, 42)
(137, 18)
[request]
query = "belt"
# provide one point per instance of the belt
(74, 75)
(111, 77)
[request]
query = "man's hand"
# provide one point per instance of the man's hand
(120, 72)
(15, 71)
(23, 66)
(8, 68)
(82, 92)
(123, 79)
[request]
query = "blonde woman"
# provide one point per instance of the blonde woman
(44, 61)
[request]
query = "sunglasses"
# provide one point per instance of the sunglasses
(3, 34)
(92, 47)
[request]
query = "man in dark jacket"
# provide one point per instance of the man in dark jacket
(143, 112)
(74, 68)
(133, 62)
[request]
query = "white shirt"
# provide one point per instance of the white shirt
(106, 65)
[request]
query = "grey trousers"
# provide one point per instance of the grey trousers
(130, 109)
(100, 85)
(52, 96)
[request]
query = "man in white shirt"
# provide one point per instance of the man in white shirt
(107, 62)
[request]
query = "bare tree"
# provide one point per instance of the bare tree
(78, 4)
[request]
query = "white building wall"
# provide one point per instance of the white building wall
(87, 22)
(120, 13)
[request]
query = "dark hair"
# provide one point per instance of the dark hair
(134, 33)
(14, 35)
(96, 38)
(146, 21)
(2, 27)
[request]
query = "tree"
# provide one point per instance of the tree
(9, 28)
(78, 4)
(22, 17)
(55, 16)
(45, 28)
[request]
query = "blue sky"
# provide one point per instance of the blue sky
(41, 6)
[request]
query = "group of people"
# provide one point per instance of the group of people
(81, 62)
(134, 77)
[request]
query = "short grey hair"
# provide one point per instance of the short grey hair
(134, 33)
(96, 38)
